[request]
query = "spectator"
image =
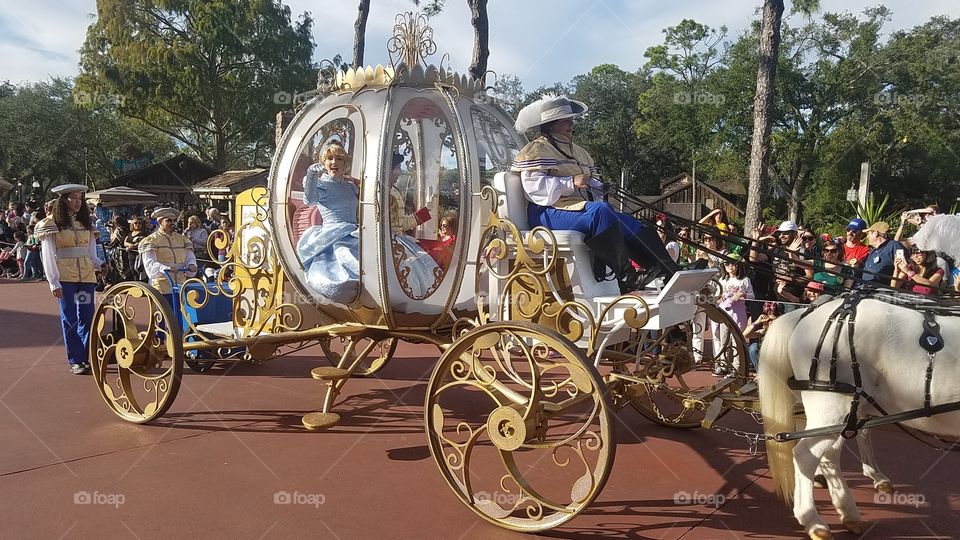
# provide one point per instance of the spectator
(213, 218)
(757, 328)
(762, 267)
(854, 250)
(712, 243)
(687, 251)
(920, 274)
(31, 264)
(736, 289)
(785, 258)
(812, 292)
(665, 231)
(830, 271)
(808, 246)
(879, 266)
(718, 220)
(131, 244)
(20, 252)
(198, 237)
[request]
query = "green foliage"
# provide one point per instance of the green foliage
(206, 72)
(872, 211)
(49, 135)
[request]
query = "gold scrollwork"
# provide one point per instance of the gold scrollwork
(527, 270)
(148, 358)
(412, 40)
(252, 278)
(519, 425)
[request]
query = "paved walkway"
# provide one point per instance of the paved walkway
(213, 465)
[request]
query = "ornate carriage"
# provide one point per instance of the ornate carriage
(536, 355)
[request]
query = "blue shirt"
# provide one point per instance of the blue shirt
(880, 261)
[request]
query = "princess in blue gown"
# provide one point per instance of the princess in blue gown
(330, 252)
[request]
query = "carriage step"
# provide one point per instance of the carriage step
(318, 421)
(329, 373)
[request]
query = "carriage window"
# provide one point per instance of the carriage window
(496, 145)
(424, 197)
(323, 207)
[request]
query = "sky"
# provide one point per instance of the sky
(540, 41)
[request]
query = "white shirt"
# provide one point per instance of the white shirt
(544, 190)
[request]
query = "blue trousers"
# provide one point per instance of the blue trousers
(31, 265)
(595, 218)
(76, 316)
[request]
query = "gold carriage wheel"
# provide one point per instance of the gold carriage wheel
(520, 425)
(374, 360)
(677, 371)
(136, 352)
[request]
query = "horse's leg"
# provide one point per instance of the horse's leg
(840, 493)
(806, 457)
(880, 481)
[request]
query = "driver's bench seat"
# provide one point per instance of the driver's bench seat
(512, 205)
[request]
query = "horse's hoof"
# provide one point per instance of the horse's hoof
(885, 487)
(820, 532)
(820, 481)
(856, 527)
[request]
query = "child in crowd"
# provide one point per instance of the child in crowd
(31, 264)
(736, 289)
(20, 252)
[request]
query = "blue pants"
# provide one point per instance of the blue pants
(31, 265)
(754, 352)
(76, 316)
(595, 218)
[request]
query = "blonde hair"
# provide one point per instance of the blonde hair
(333, 149)
(193, 219)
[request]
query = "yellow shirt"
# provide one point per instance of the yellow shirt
(73, 259)
(170, 251)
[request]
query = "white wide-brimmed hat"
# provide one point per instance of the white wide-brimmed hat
(69, 188)
(161, 213)
(548, 109)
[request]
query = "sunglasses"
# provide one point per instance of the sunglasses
(444, 225)
(808, 239)
(916, 251)
(831, 250)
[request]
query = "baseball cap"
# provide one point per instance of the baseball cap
(857, 224)
(880, 227)
(787, 226)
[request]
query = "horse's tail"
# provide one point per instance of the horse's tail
(777, 400)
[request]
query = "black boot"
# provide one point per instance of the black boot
(646, 248)
(610, 257)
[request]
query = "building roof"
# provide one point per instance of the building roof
(177, 174)
(232, 181)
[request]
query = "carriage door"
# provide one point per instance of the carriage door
(424, 197)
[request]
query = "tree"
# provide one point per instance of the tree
(359, 32)
(50, 135)
(211, 74)
(763, 109)
(481, 38)
(680, 113)
(606, 131)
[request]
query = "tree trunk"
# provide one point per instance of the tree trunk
(359, 32)
(763, 109)
(481, 39)
(796, 192)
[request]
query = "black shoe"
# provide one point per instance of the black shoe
(79, 369)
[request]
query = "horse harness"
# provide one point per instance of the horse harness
(842, 317)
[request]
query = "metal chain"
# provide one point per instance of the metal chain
(753, 439)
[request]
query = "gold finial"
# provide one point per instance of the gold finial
(412, 40)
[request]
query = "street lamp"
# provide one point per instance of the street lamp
(20, 188)
(36, 190)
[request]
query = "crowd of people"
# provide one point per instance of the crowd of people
(117, 238)
(778, 269)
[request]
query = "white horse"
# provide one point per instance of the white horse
(893, 368)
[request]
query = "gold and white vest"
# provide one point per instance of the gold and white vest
(73, 250)
(540, 155)
(171, 250)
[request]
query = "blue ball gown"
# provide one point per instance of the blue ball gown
(330, 252)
